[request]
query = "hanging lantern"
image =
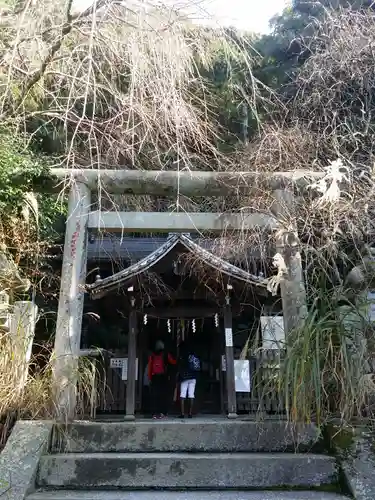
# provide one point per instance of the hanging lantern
(217, 320)
(169, 326)
(145, 319)
(193, 326)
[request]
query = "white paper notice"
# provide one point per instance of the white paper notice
(117, 362)
(242, 375)
(228, 337)
(273, 334)
(124, 371)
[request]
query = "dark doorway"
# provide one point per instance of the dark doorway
(207, 340)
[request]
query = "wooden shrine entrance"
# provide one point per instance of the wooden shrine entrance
(192, 295)
(208, 345)
(262, 397)
(210, 392)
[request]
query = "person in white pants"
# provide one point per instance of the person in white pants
(188, 388)
(187, 391)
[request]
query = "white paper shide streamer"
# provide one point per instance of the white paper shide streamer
(217, 320)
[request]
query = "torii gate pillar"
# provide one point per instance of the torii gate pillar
(292, 286)
(70, 310)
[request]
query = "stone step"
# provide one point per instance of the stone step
(192, 495)
(199, 435)
(186, 470)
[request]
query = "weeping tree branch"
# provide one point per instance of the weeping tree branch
(66, 29)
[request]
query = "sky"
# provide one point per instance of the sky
(249, 15)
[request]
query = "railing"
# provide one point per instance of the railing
(105, 391)
(265, 396)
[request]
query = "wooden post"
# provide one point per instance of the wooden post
(70, 310)
(292, 286)
(229, 355)
(132, 364)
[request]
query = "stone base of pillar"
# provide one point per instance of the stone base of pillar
(232, 416)
(129, 418)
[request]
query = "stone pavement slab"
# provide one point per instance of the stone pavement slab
(20, 458)
(358, 462)
(198, 435)
(191, 495)
(179, 471)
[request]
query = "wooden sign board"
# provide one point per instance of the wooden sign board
(123, 364)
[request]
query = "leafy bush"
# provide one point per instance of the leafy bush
(27, 220)
(18, 168)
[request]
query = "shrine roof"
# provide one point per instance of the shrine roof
(105, 248)
(104, 286)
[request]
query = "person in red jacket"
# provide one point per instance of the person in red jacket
(158, 364)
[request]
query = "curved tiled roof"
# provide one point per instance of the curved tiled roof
(106, 285)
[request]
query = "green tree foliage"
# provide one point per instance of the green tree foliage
(231, 85)
(24, 213)
(293, 37)
(16, 159)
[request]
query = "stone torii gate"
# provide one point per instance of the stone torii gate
(165, 183)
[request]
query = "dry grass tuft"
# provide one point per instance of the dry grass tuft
(33, 398)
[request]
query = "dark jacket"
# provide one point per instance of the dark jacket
(184, 371)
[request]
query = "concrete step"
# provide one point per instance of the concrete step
(198, 435)
(186, 470)
(193, 495)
